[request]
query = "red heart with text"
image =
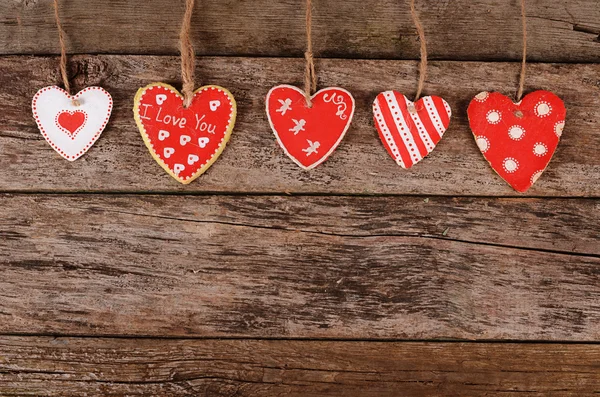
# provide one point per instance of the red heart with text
(184, 141)
(309, 135)
(71, 121)
(517, 139)
(410, 131)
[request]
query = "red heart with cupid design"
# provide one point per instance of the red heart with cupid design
(71, 121)
(410, 131)
(309, 135)
(517, 139)
(184, 141)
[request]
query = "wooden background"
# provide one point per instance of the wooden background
(258, 279)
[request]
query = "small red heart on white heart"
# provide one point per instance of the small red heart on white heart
(162, 135)
(160, 99)
(168, 152)
(184, 139)
(192, 158)
(202, 142)
(214, 105)
(71, 124)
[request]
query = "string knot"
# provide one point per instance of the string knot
(188, 93)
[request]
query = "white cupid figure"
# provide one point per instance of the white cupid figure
(312, 147)
(285, 106)
(299, 126)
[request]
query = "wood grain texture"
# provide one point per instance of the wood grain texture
(559, 31)
(306, 267)
(38, 366)
(253, 161)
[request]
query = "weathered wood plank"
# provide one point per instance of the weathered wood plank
(38, 366)
(254, 162)
(559, 31)
(350, 267)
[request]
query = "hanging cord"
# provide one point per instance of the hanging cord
(524, 62)
(187, 55)
(310, 77)
(63, 52)
(423, 64)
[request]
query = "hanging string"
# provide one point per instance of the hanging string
(524, 62)
(63, 51)
(310, 77)
(423, 64)
(187, 55)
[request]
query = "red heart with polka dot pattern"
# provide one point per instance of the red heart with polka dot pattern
(517, 139)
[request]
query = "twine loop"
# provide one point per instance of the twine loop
(423, 49)
(63, 53)
(188, 60)
(310, 76)
(524, 61)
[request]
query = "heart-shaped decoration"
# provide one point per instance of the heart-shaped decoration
(309, 135)
(185, 142)
(410, 130)
(517, 139)
(71, 121)
(71, 124)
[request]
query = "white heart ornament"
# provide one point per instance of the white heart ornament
(71, 124)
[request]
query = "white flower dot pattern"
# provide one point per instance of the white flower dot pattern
(536, 175)
(543, 109)
(540, 149)
(483, 143)
(510, 165)
(482, 96)
(516, 132)
(493, 117)
(558, 128)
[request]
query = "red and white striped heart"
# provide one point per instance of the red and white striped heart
(410, 131)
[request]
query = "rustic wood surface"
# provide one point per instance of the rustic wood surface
(356, 279)
(43, 366)
(559, 30)
(254, 162)
(388, 267)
